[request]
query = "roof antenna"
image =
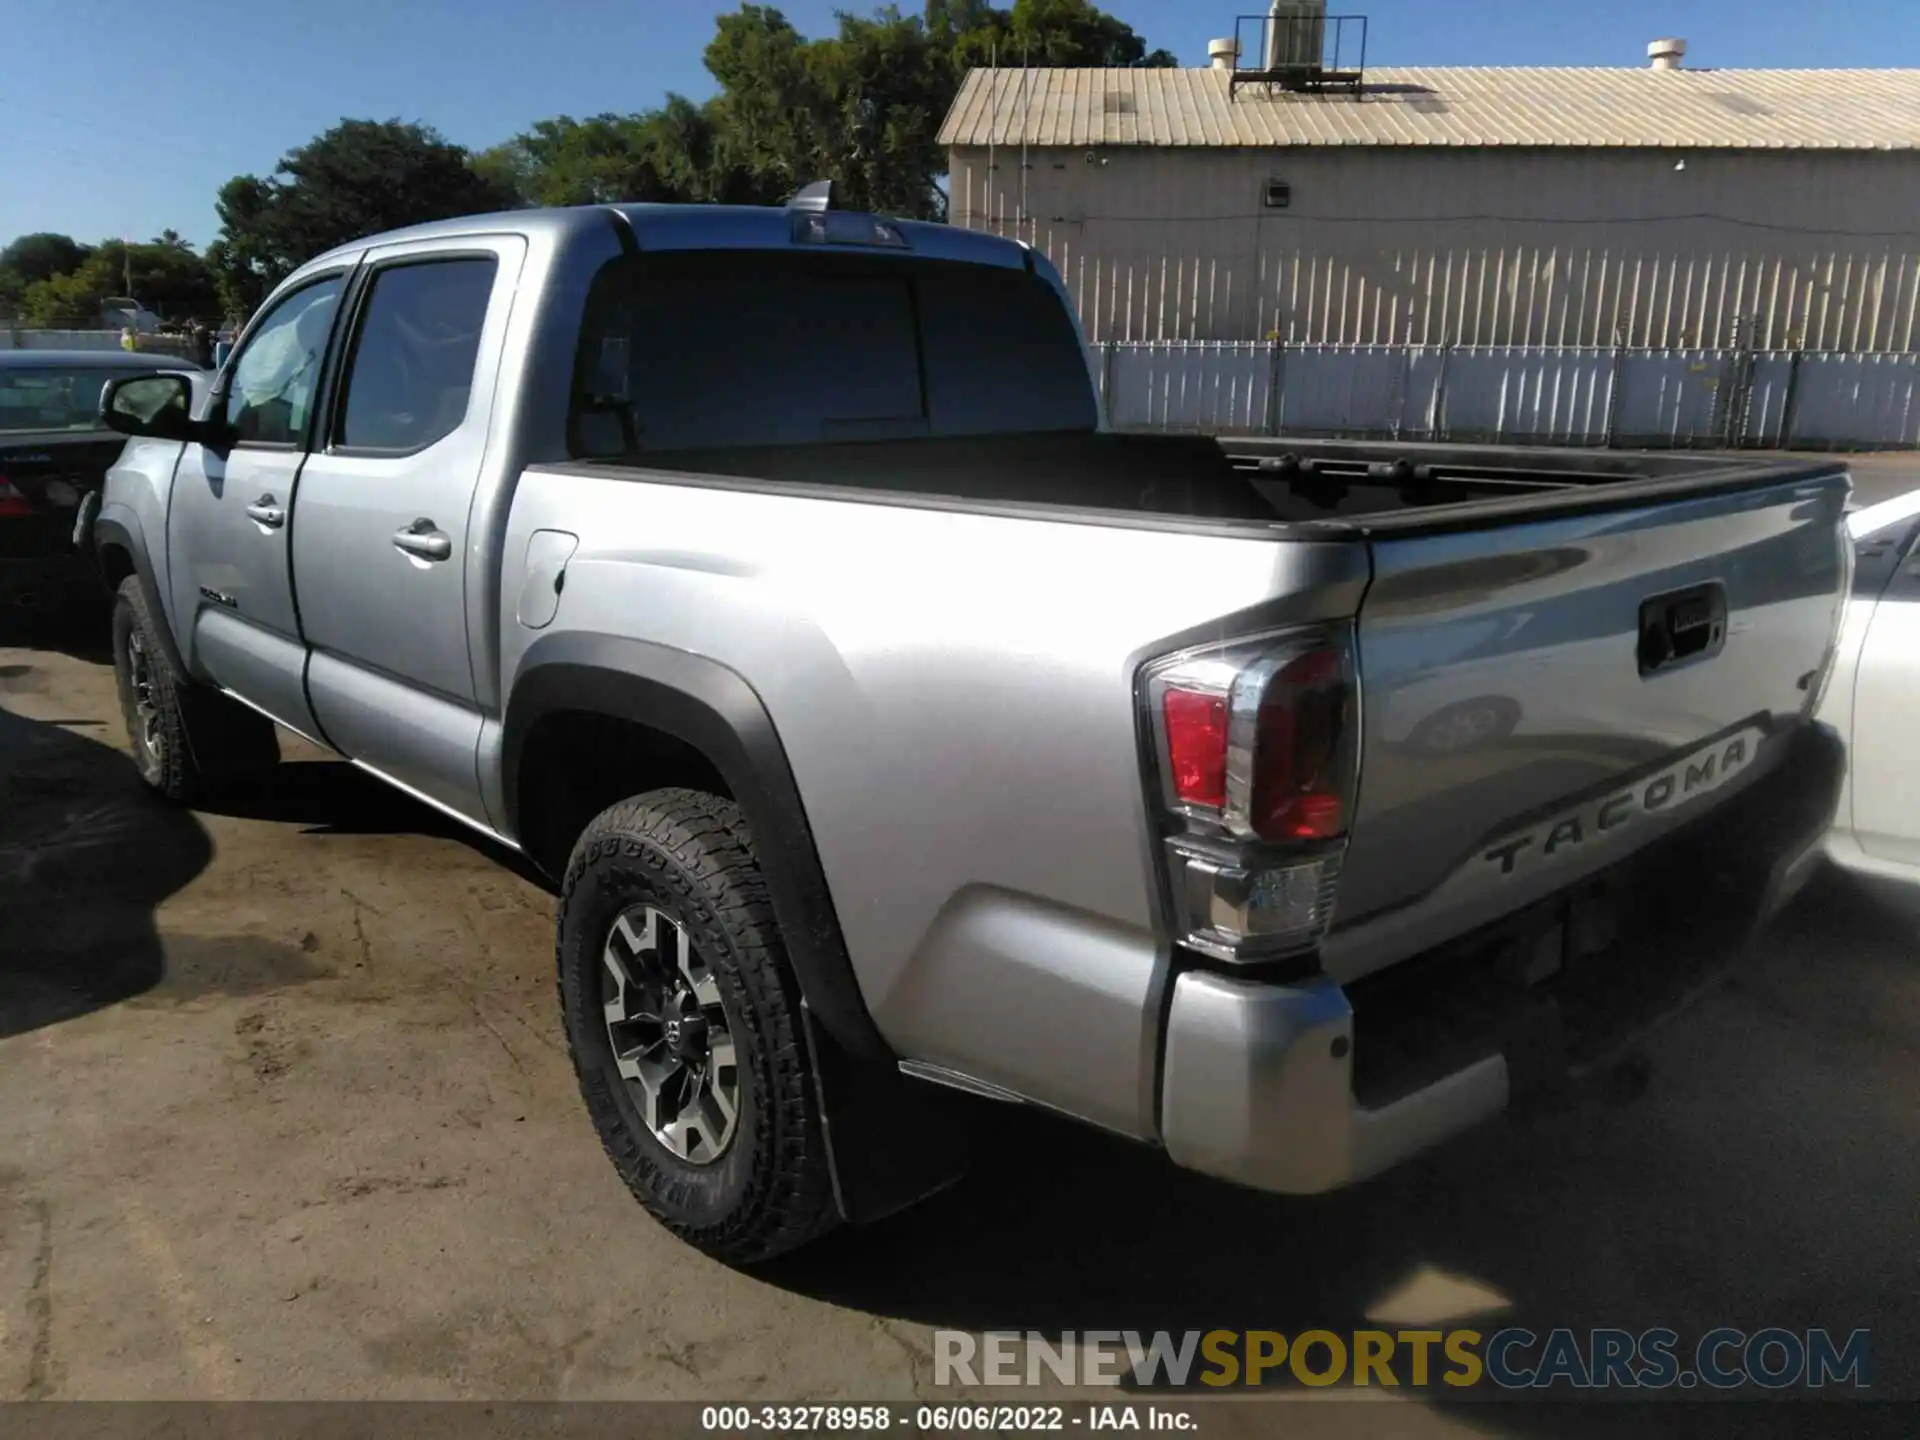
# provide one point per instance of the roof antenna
(817, 197)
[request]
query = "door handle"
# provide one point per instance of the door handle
(422, 538)
(268, 512)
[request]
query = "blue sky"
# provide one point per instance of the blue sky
(125, 119)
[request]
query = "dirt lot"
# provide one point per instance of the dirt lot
(284, 1112)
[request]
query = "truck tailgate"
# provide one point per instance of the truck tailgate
(1540, 699)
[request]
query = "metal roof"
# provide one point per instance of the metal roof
(1467, 107)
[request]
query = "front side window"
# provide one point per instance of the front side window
(411, 374)
(53, 398)
(276, 376)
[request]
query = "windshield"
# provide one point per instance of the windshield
(53, 398)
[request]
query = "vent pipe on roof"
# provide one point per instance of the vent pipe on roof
(1224, 54)
(1667, 54)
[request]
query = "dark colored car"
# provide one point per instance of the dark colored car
(53, 448)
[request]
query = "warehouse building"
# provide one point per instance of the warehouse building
(1664, 206)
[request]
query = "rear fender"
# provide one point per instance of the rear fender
(892, 1139)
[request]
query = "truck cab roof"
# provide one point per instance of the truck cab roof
(652, 226)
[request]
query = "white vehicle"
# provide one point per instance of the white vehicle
(1874, 696)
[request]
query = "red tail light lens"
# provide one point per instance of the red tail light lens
(1258, 736)
(12, 502)
(1256, 745)
(1302, 751)
(1196, 731)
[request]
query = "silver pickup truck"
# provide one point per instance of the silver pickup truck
(890, 730)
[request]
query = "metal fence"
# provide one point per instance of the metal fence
(21, 339)
(1722, 398)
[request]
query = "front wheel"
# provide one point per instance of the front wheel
(183, 736)
(683, 1017)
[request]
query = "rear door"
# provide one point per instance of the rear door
(381, 548)
(227, 524)
(1540, 699)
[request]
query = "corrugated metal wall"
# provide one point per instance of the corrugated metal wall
(1550, 395)
(1652, 250)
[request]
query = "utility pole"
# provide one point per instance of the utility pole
(993, 125)
(1026, 106)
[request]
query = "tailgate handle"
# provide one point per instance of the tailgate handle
(1682, 627)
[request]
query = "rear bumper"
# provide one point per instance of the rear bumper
(1305, 1088)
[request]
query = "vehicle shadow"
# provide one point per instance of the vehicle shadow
(332, 797)
(86, 854)
(56, 604)
(1764, 1177)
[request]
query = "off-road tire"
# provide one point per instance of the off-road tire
(200, 739)
(690, 855)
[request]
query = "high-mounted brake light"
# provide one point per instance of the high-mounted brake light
(818, 221)
(845, 227)
(1256, 747)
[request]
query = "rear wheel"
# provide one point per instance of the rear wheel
(683, 1017)
(184, 737)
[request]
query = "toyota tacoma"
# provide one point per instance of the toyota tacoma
(894, 733)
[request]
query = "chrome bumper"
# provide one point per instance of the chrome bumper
(1257, 1080)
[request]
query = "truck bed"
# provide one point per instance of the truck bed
(1319, 483)
(1501, 633)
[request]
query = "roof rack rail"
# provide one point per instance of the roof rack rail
(817, 197)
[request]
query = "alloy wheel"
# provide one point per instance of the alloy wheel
(671, 1040)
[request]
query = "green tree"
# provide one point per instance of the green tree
(360, 177)
(861, 107)
(31, 259)
(170, 279)
(665, 154)
(42, 256)
(1055, 33)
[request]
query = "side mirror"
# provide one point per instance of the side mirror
(157, 406)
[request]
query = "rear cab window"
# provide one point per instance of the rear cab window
(722, 350)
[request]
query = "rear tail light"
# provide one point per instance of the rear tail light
(1256, 748)
(12, 502)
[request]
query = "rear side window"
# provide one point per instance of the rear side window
(708, 351)
(53, 399)
(410, 377)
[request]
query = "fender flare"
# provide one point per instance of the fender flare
(890, 1140)
(110, 529)
(713, 709)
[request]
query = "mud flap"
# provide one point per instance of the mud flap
(891, 1140)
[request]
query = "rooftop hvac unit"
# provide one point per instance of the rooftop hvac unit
(1296, 35)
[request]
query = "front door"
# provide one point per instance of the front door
(228, 527)
(388, 577)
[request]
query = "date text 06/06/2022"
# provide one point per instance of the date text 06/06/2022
(942, 1419)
